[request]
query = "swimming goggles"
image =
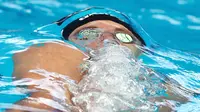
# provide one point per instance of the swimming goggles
(69, 23)
(92, 34)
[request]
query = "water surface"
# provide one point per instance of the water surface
(174, 25)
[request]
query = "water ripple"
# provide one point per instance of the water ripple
(157, 11)
(52, 3)
(166, 18)
(194, 19)
(194, 27)
(15, 6)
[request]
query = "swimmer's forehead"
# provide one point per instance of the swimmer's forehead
(107, 25)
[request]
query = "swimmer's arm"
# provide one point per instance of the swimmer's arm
(164, 101)
(51, 57)
(173, 93)
(25, 104)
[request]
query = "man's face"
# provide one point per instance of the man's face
(107, 26)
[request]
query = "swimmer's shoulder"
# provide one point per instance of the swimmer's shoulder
(56, 57)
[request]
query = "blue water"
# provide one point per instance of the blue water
(174, 25)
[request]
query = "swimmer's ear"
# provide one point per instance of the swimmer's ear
(138, 53)
(140, 50)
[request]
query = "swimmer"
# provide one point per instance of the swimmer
(89, 29)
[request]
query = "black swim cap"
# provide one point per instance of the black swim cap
(76, 19)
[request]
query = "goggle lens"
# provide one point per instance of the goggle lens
(94, 33)
(87, 34)
(125, 38)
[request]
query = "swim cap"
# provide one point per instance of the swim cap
(76, 19)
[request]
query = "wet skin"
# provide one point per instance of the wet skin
(55, 57)
(58, 57)
(61, 58)
(107, 26)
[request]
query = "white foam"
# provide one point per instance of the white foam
(111, 83)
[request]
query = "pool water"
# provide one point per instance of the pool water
(174, 25)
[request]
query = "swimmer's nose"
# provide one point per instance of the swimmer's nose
(107, 42)
(108, 38)
(105, 39)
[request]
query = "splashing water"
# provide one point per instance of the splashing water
(179, 60)
(115, 81)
